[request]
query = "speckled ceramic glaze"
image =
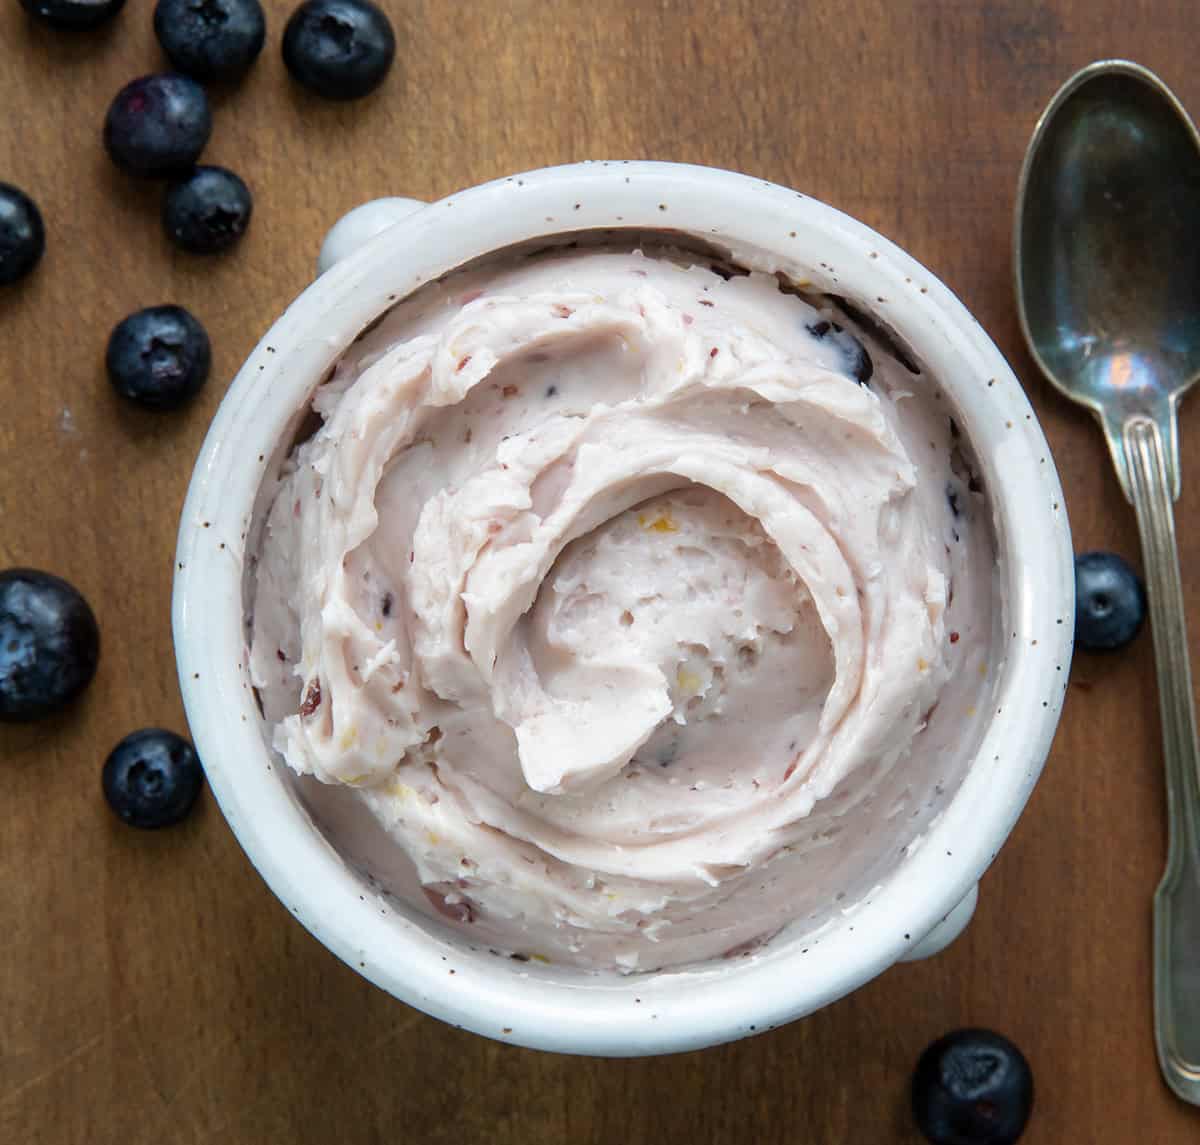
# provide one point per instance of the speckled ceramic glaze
(314, 857)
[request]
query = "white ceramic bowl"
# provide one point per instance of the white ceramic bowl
(768, 227)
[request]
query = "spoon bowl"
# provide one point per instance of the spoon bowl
(1108, 246)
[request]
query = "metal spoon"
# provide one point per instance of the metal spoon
(1107, 258)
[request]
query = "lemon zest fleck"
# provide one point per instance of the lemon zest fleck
(660, 523)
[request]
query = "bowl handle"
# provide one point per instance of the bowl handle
(360, 225)
(947, 930)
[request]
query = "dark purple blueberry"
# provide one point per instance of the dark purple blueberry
(972, 1087)
(1110, 602)
(158, 125)
(22, 235)
(857, 361)
(208, 211)
(210, 39)
(151, 778)
(340, 49)
(73, 13)
(158, 357)
(952, 499)
(49, 644)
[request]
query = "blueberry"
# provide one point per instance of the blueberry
(157, 125)
(208, 211)
(73, 13)
(151, 778)
(22, 235)
(857, 361)
(49, 644)
(210, 39)
(340, 49)
(158, 357)
(972, 1087)
(1110, 602)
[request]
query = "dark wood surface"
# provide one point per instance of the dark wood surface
(151, 988)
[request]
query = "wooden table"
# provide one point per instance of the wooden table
(151, 988)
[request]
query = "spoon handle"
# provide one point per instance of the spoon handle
(1177, 900)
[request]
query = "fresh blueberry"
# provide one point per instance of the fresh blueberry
(158, 125)
(857, 361)
(340, 49)
(73, 13)
(22, 235)
(210, 39)
(1110, 602)
(208, 211)
(972, 1087)
(151, 778)
(49, 644)
(158, 357)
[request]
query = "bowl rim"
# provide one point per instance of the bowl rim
(655, 1012)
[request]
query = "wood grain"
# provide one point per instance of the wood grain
(151, 988)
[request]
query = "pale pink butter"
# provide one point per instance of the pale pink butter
(602, 572)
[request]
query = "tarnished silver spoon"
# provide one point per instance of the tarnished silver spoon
(1107, 259)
